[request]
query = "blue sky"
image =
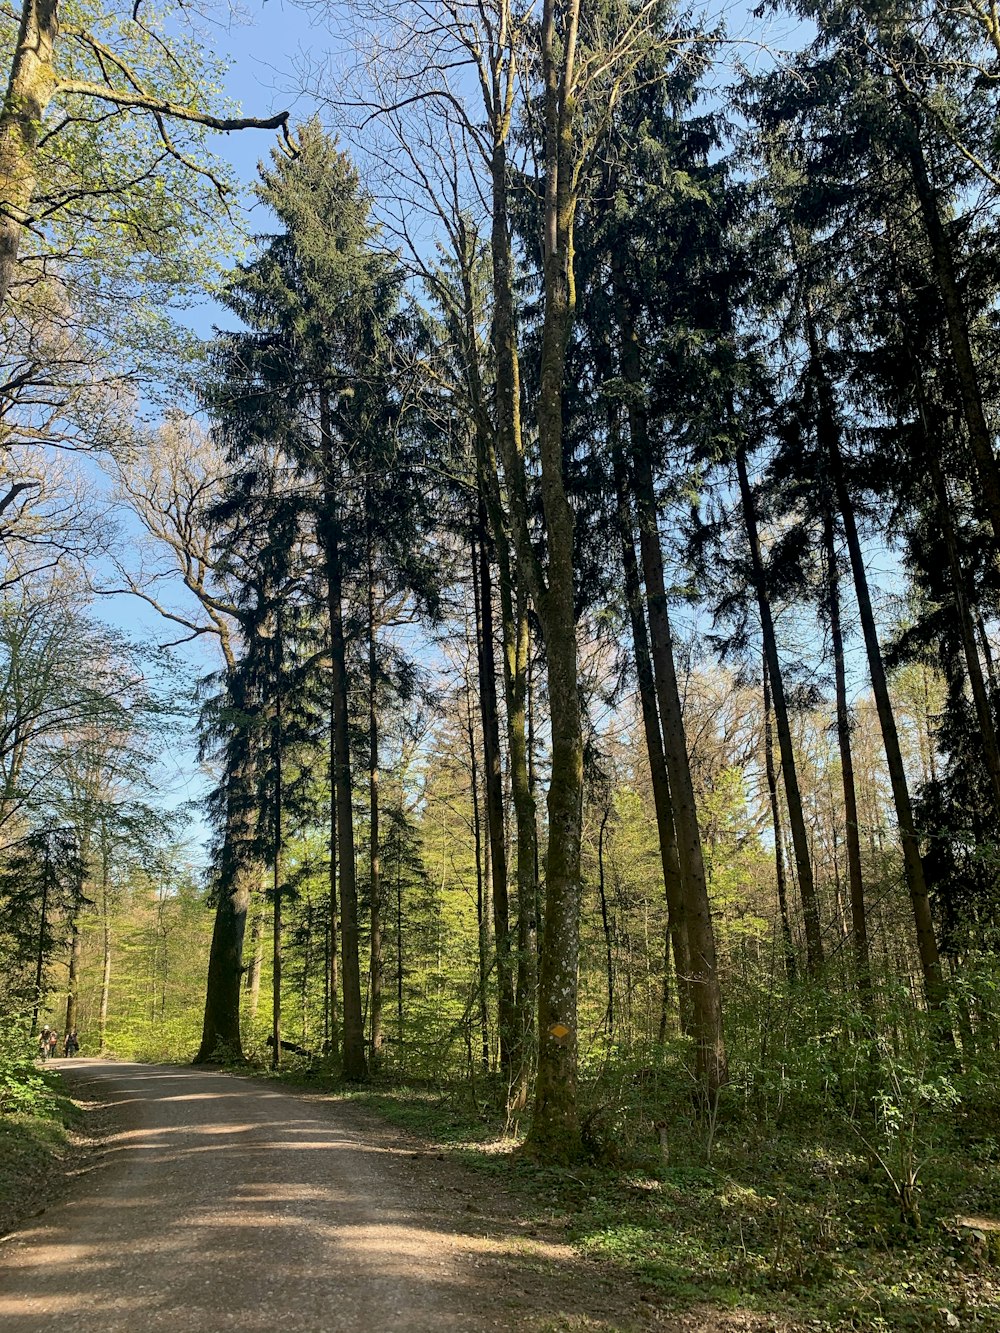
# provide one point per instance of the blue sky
(275, 49)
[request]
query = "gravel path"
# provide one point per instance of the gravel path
(226, 1203)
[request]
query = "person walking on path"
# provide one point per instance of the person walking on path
(72, 1044)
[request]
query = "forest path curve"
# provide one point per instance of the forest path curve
(228, 1203)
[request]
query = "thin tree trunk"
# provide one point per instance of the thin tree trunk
(306, 975)
(788, 943)
(930, 962)
(793, 796)
(481, 904)
(706, 997)
(980, 437)
(399, 946)
(707, 1026)
(984, 644)
(493, 786)
(256, 965)
(608, 950)
(375, 979)
(669, 859)
(73, 982)
(980, 697)
(852, 832)
(102, 1012)
(354, 1063)
(332, 897)
(278, 834)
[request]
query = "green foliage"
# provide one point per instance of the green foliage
(24, 1088)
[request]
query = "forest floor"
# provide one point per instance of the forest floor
(197, 1199)
(793, 1218)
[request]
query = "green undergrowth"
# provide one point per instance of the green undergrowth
(798, 1209)
(35, 1116)
(800, 1222)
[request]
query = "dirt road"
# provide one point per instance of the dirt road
(225, 1203)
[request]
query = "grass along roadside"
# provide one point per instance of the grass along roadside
(801, 1221)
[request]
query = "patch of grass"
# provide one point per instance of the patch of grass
(797, 1222)
(32, 1150)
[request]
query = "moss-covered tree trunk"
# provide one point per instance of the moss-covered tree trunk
(555, 1126)
(30, 88)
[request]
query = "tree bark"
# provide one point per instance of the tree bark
(73, 981)
(328, 532)
(977, 682)
(793, 796)
(852, 833)
(706, 997)
(237, 870)
(555, 1128)
(493, 785)
(483, 930)
(930, 962)
(256, 964)
(102, 1012)
(606, 924)
(788, 943)
(29, 90)
(673, 884)
(375, 971)
(980, 439)
(334, 982)
(278, 834)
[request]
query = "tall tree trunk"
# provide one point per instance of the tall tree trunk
(334, 982)
(967, 629)
(930, 962)
(256, 964)
(512, 585)
(400, 1029)
(375, 978)
(980, 438)
(73, 981)
(102, 1012)
(29, 90)
(788, 943)
(793, 796)
(483, 931)
(707, 1026)
(706, 996)
(669, 859)
(276, 887)
(517, 649)
(354, 1063)
(606, 924)
(493, 785)
(306, 975)
(859, 915)
(238, 867)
